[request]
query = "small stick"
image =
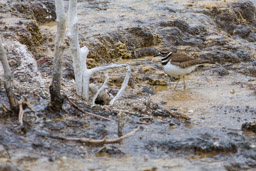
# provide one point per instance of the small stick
(121, 123)
(94, 141)
(88, 113)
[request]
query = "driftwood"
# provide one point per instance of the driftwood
(93, 141)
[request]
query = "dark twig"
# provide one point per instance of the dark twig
(94, 141)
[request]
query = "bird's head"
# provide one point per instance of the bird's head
(163, 53)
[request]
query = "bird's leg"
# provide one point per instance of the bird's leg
(184, 82)
(177, 83)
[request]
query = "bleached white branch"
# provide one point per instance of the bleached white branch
(82, 73)
(124, 85)
(74, 44)
(101, 89)
(105, 67)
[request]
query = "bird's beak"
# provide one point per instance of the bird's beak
(157, 54)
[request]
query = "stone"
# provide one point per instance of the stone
(194, 31)
(251, 37)
(111, 150)
(182, 25)
(221, 71)
(242, 31)
(243, 55)
(148, 89)
(246, 10)
(249, 126)
(172, 35)
(8, 167)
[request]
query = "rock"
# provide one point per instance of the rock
(198, 145)
(111, 150)
(42, 12)
(252, 71)
(243, 55)
(221, 71)
(56, 126)
(148, 69)
(224, 57)
(194, 30)
(228, 17)
(160, 112)
(122, 51)
(148, 89)
(251, 37)
(145, 52)
(182, 25)
(246, 10)
(133, 42)
(249, 126)
(225, 20)
(8, 167)
(246, 68)
(242, 30)
(194, 42)
(141, 36)
(172, 35)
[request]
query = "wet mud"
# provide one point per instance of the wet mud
(208, 126)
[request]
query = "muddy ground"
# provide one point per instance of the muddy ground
(209, 126)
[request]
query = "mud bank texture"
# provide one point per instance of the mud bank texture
(209, 126)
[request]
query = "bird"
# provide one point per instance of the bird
(179, 64)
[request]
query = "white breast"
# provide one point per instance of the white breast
(175, 71)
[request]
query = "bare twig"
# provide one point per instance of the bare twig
(93, 141)
(120, 123)
(87, 113)
(21, 111)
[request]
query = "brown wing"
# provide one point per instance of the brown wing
(179, 57)
(185, 61)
